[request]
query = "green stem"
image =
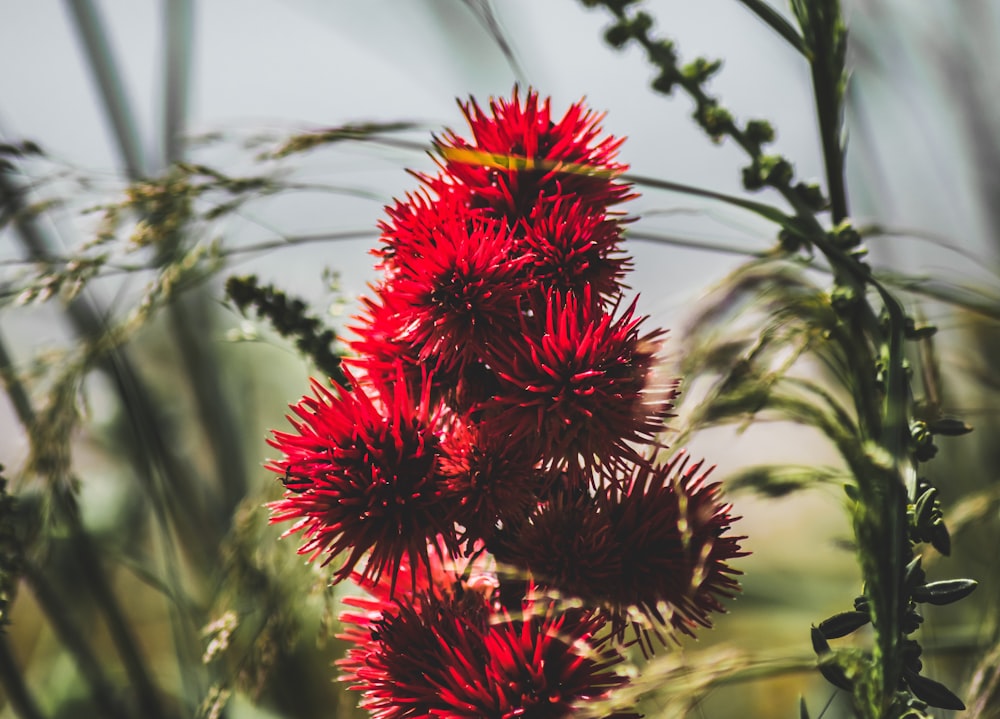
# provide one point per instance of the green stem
(884, 477)
(21, 700)
(109, 80)
(87, 663)
(118, 627)
(91, 568)
(829, 113)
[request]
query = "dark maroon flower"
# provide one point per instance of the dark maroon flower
(579, 383)
(491, 481)
(456, 657)
(655, 541)
(361, 468)
(519, 154)
(673, 530)
(567, 544)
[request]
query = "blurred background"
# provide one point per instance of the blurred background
(153, 586)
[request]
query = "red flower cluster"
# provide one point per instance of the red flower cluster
(504, 407)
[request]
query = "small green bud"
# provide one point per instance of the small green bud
(819, 643)
(700, 70)
(811, 196)
(618, 34)
(843, 299)
(751, 178)
(776, 170)
(845, 236)
(715, 120)
(923, 508)
(642, 23)
(922, 441)
(940, 537)
(912, 620)
(759, 132)
(665, 81)
(662, 54)
(913, 575)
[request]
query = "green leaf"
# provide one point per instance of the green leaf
(778, 23)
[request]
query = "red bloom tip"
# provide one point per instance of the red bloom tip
(361, 468)
(518, 154)
(578, 384)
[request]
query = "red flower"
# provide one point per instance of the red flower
(361, 468)
(458, 292)
(518, 154)
(410, 659)
(568, 544)
(578, 383)
(548, 662)
(380, 351)
(455, 657)
(673, 530)
(655, 541)
(414, 222)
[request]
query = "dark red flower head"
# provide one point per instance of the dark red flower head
(655, 541)
(518, 154)
(491, 481)
(362, 477)
(454, 657)
(579, 383)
